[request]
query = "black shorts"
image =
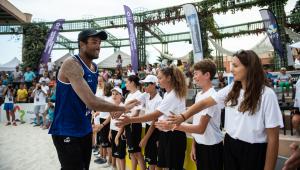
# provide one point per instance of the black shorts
(171, 149)
(133, 134)
(151, 148)
(120, 150)
(103, 135)
(209, 156)
(243, 155)
(74, 153)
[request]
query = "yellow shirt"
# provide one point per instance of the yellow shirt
(22, 95)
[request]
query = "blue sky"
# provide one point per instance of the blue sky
(70, 9)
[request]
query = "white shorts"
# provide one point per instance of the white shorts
(39, 109)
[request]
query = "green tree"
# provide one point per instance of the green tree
(295, 17)
(34, 39)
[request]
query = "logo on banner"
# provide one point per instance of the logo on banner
(273, 31)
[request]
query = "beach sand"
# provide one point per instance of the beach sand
(25, 147)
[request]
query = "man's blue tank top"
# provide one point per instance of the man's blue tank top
(71, 115)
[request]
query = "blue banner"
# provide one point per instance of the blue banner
(53, 33)
(132, 38)
(193, 22)
(271, 27)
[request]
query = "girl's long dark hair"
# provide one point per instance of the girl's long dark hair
(255, 83)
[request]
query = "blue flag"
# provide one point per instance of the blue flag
(271, 27)
(132, 38)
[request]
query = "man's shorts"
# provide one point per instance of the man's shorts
(39, 109)
(9, 106)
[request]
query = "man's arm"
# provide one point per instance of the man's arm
(72, 72)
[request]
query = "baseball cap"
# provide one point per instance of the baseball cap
(150, 79)
(91, 33)
(116, 88)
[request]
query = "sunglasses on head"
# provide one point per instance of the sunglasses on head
(147, 84)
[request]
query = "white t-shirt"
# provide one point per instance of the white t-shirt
(39, 97)
(113, 122)
(132, 96)
(50, 66)
(150, 104)
(45, 79)
(104, 115)
(9, 98)
(297, 97)
(212, 134)
(172, 103)
(251, 128)
(130, 73)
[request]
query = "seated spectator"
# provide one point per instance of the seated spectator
(22, 94)
(284, 80)
(142, 73)
(130, 71)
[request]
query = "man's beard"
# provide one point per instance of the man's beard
(92, 55)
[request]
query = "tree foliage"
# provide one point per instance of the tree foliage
(295, 17)
(34, 38)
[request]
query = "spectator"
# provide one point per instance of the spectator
(180, 65)
(39, 102)
(9, 104)
(222, 82)
(48, 115)
(142, 73)
(130, 71)
(22, 94)
(42, 69)
(119, 61)
(52, 81)
(17, 77)
(30, 90)
(45, 78)
(50, 65)
(5, 78)
(53, 93)
(29, 76)
(2, 88)
(284, 80)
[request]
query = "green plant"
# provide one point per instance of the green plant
(34, 38)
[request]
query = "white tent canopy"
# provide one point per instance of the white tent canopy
(59, 61)
(110, 61)
(295, 45)
(11, 65)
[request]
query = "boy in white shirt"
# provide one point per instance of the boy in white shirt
(207, 146)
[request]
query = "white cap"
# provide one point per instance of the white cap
(150, 79)
(116, 88)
